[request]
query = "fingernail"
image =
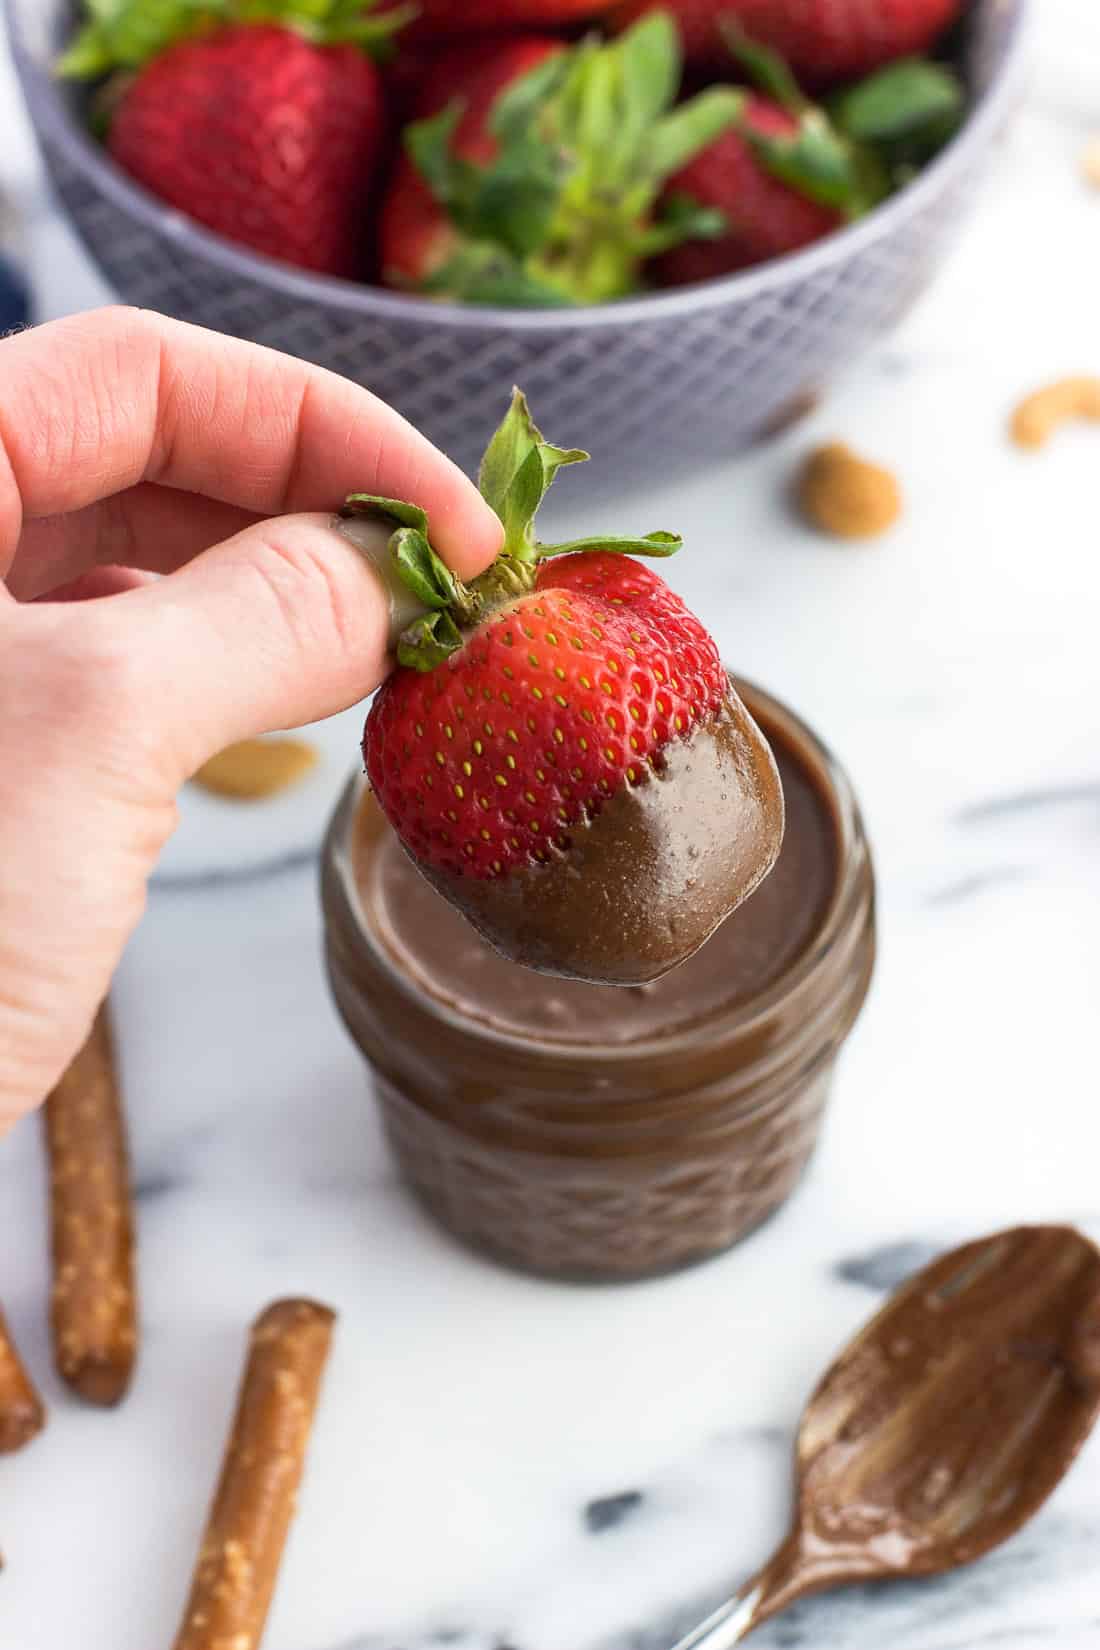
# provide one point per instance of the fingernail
(372, 540)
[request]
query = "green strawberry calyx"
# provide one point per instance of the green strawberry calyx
(516, 472)
(817, 158)
(124, 35)
(870, 139)
(904, 113)
(568, 211)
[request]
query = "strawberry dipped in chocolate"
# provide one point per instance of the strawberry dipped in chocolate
(560, 750)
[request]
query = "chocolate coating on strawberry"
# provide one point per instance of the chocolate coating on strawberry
(648, 876)
(556, 702)
(560, 751)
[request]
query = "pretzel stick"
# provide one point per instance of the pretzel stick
(93, 1310)
(246, 1531)
(21, 1411)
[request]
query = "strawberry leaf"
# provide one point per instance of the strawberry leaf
(89, 56)
(904, 113)
(518, 468)
(587, 118)
(767, 70)
(629, 87)
(585, 142)
(691, 127)
(428, 641)
(899, 102)
(127, 34)
(418, 567)
(516, 472)
(816, 161)
(509, 203)
(514, 440)
(517, 199)
(428, 146)
(423, 572)
(650, 63)
(652, 544)
(527, 491)
(481, 273)
(682, 219)
(823, 160)
(385, 509)
(521, 102)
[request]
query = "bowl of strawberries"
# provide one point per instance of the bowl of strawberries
(672, 216)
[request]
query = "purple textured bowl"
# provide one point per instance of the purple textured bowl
(694, 373)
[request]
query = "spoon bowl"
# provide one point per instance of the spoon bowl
(943, 1426)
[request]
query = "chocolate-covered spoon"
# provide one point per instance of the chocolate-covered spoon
(944, 1425)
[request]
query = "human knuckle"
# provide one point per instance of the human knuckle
(111, 669)
(304, 583)
(128, 321)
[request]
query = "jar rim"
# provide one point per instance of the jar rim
(734, 1020)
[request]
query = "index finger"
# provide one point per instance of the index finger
(95, 404)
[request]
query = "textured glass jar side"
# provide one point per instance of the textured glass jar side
(608, 1162)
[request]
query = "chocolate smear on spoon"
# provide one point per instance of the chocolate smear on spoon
(943, 1427)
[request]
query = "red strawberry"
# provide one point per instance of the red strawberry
(536, 176)
(443, 17)
(417, 236)
(424, 64)
(560, 750)
(598, 631)
(766, 216)
(786, 174)
(259, 133)
(822, 40)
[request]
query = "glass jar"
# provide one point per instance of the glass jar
(581, 1156)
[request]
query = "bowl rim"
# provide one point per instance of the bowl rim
(52, 120)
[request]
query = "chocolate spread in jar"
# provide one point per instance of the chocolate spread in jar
(434, 945)
(608, 1132)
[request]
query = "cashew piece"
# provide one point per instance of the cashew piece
(843, 494)
(1090, 162)
(257, 768)
(1039, 415)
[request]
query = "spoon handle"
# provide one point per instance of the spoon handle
(729, 1625)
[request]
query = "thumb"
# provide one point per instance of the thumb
(288, 622)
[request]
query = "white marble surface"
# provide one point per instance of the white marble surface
(472, 1417)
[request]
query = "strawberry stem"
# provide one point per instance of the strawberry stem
(767, 70)
(127, 34)
(584, 145)
(871, 138)
(516, 472)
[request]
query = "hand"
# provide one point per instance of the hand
(130, 446)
